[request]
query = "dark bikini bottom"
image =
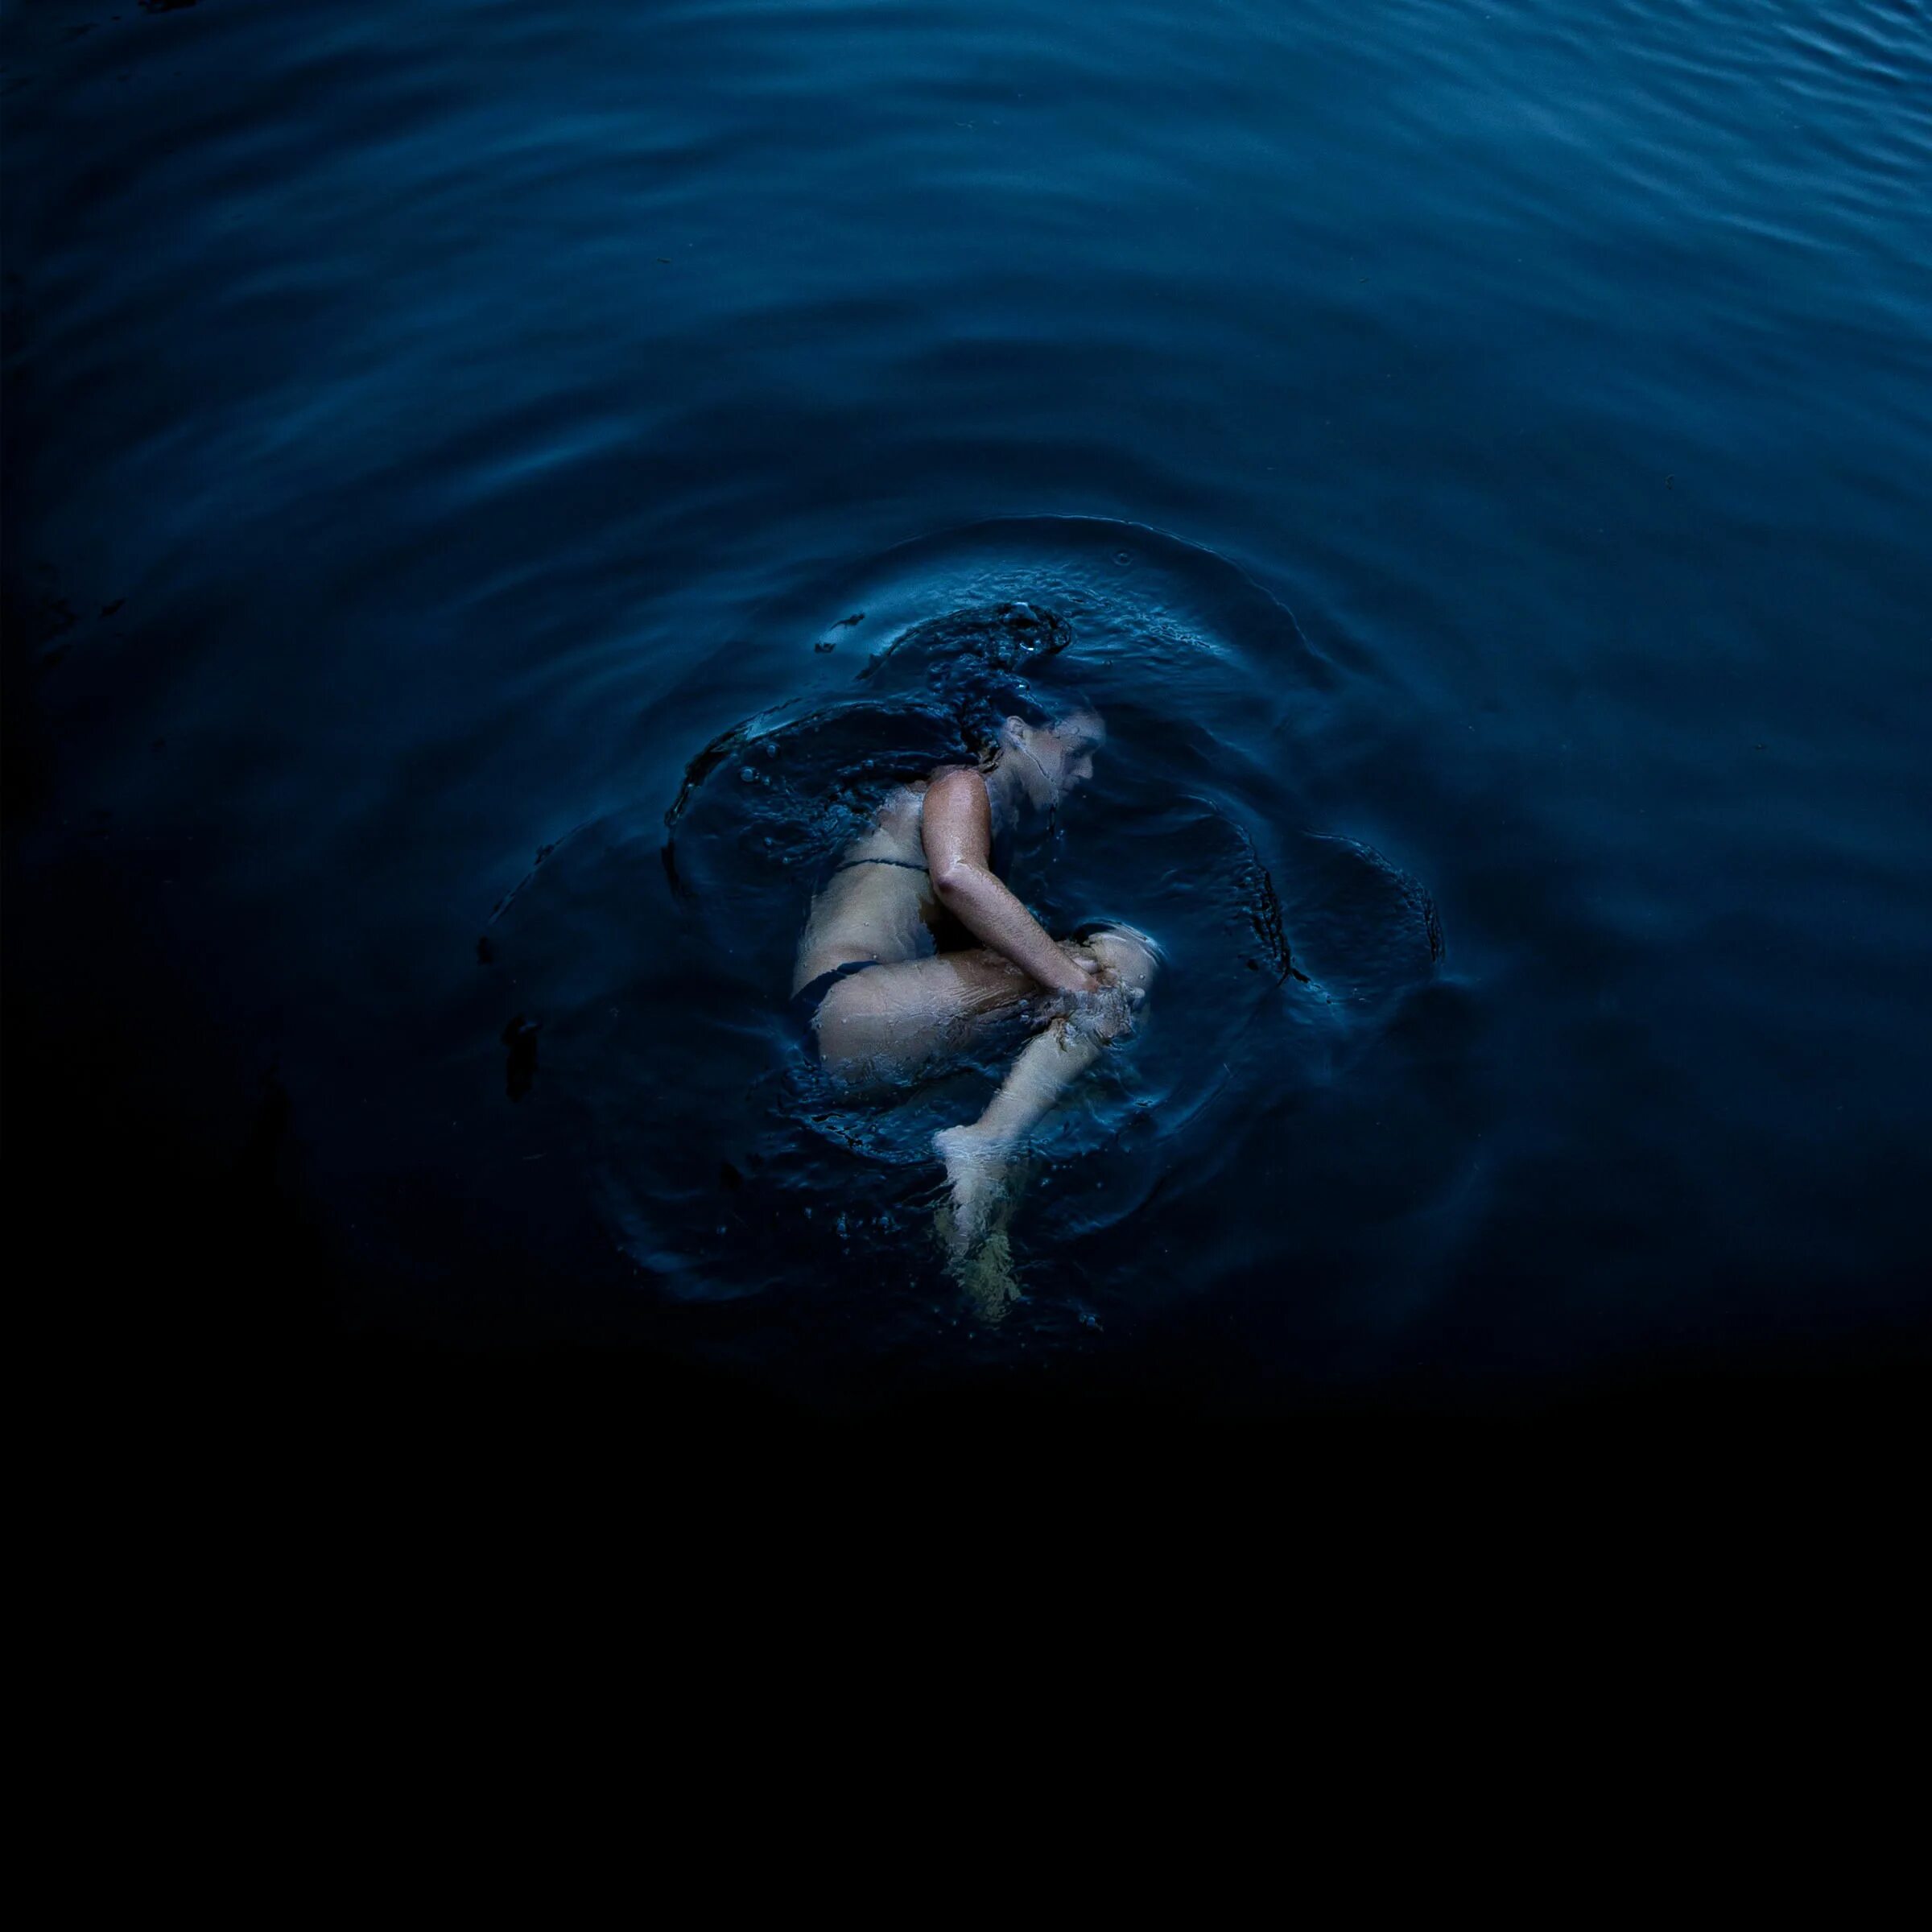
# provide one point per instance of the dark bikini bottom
(803, 1007)
(804, 1004)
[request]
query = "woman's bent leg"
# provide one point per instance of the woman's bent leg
(980, 1157)
(888, 1022)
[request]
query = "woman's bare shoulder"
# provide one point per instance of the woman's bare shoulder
(903, 809)
(951, 776)
(958, 815)
(900, 809)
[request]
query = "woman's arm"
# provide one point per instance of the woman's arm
(957, 828)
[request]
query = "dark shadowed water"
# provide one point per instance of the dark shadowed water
(487, 485)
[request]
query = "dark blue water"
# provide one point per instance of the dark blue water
(1480, 454)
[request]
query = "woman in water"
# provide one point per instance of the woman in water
(890, 984)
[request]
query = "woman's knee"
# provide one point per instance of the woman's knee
(1132, 956)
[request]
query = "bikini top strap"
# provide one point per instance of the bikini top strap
(909, 865)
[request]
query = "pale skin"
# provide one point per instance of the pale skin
(928, 854)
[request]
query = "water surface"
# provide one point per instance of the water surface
(1482, 451)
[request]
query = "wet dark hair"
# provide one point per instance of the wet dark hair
(987, 708)
(985, 663)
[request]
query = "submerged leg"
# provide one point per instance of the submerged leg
(980, 1156)
(890, 1022)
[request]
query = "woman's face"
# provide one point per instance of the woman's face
(1058, 759)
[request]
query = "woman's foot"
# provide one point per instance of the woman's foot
(976, 1168)
(971, 1221)
(987, 1277)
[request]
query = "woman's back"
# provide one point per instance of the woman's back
(878, 901)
